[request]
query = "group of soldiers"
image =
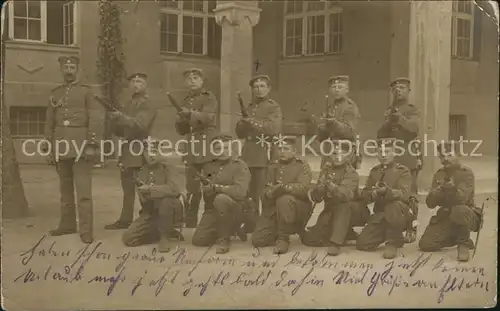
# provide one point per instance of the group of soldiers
(267, 190)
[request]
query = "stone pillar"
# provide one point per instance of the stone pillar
(237, 19)
(429, 72)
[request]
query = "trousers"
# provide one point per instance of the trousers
(157, 218)
(221, 217)
(127, 176)
(385, 225)
(449, 227)
(335, 224)
(280, 218)
(75, 175)
(193, 187)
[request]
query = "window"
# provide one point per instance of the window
(189, 27)
(312, 28)
(458, 127)
(462, 29)
(27, 121)
(50, 22)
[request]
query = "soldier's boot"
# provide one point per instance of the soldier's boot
(193, 208)
(175, 234)
(281, 246)
(164, 244)
(222, 246)
(334, 250)
(86, 238)
(351, 237)
(463, 252)
(410, 235)
(67, 223)
(252, 215)
(241, 233)
(390, 251)
(117, 225)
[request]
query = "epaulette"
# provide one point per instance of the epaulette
(272, 101)
(402, 167)
(84, 85)
(300, 159)
(350, 101)
(57, 87)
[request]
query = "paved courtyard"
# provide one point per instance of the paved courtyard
(61, 274)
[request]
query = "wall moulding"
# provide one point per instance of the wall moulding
(235, 14)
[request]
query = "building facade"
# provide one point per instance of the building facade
(448, 49)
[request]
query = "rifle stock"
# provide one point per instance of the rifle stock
(244, 112)
(174, 102)
(105, 104)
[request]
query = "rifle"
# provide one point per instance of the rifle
(380, 183)
(244, 112)
(174, 102)
(328, 116)
(204, 180)
(108, 107)
(139, 183)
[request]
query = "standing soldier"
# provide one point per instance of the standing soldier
(133, 125)
(341, 119)
(74, 119)
(225, 187)
(259, 130)
(452, 190)
(161, 207)
(389, 186)
(197, 121)
(285, 205)
(402, 122)
(337, 186)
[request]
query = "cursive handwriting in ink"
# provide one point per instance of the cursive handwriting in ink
(247, 281)
(380, 277)
(138, 283)
(417, 264)
(308, 278)
(453, 284)
(39, 251)
(85, 255)
(440, 266)
(28, 276)
(160, 282)
(348, 277)
(219, 280)
(112, 280)
(199, 261)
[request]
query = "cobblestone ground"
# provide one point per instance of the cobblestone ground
(60, 274)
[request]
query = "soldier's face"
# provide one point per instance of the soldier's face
(339, 89)
(340, 156)
(385, 154)
(137, 85)
(222, 150)
(69, 71)
(261, 89)
(286, 152)
(448, 158)
(194, 82)
(400, 91)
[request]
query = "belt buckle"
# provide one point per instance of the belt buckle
(66, 122)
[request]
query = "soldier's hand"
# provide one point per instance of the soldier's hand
(448, 185)
(184, 113)
(114, 114)
(208, 189)
(330, 186)
(144, 190)
(381, 190)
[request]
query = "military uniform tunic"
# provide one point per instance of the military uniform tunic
(265, 122)
(342, 209)
(288, 209)
(133, 127)
(223, 207)
(457, 215)
(73, 117)
(198, 128)
(391, 211)
(161, 210)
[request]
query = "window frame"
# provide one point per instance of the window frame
(304, 16)
(180, 12)
(14, 112)
(454, 34)
(43, 23)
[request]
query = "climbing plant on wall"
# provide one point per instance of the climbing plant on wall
(111, 61)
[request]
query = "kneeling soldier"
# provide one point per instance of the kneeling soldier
(225, 186)
(285, 205)
(337, 186)
(389, 186)
(452, 190)
(161, 206)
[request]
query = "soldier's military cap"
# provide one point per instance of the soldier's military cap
(194, 71)
(343, 144)
(447, 147)
(404, 81)
(222, 137)
(338, 79)
(140, 75)
(289, 140)
(386, 142)
(259, 78)
(68, 60)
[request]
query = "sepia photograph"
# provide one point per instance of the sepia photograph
(202, 154)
